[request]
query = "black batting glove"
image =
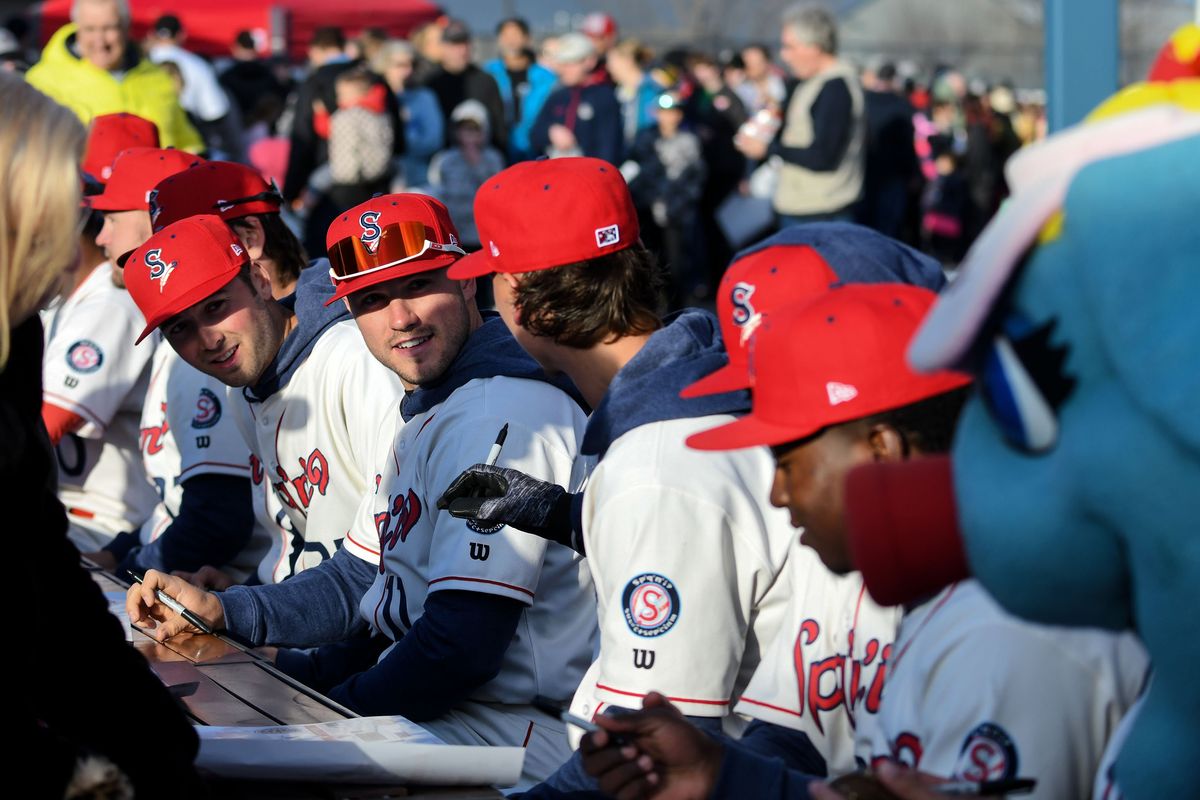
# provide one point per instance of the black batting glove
(494, 496)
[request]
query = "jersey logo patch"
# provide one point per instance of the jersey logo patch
(651, 605)
(85, 356)
(159, 270)
(208, 409)
(988, 754)
(480, 552)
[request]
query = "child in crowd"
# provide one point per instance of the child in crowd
(455, 174)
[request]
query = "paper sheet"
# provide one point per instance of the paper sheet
(363, 750)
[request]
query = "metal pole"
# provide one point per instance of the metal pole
(1082, 52)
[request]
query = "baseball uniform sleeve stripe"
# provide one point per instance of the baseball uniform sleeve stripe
(68, 404)
(354, 545)
(793, 712)
(602, 687)
(509, 586)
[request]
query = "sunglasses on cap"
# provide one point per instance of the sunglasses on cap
(396, 243)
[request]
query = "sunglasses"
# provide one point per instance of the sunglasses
(396, 243)
(271, 194)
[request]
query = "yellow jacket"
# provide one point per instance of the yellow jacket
(89, 91)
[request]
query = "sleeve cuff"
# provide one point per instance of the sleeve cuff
(243, 615)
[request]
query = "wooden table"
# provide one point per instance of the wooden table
(219, 682)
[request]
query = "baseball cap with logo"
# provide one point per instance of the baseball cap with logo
(799, 263)
(181, 265)
(598, 24)
(837, 358)
(542, 214)
(109, 134)
(135, 173)
(223, 188)
(389, 237)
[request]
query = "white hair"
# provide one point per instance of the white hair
(813, 25)
(122, 7)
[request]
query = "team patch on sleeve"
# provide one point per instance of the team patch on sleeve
(479, 528)
(988, 754)
(208, 409)
(85, 356)
(651, 605)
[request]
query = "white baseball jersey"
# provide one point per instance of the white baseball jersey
(186, 432)
(977, 694)
(425, 550)
(93, 369)
(686, 553)
(314, 441)
(824, 674)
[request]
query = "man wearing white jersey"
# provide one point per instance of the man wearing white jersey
(683, 548)
(95, 379)
(832, 391)
(460, 643)
(192, 452)
(304, 390)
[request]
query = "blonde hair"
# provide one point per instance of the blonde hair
(41, 144)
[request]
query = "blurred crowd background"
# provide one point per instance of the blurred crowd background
(696, 103)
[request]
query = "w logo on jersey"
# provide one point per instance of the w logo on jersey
(159, 270)
(369, 221)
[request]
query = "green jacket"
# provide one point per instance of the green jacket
(89, 91)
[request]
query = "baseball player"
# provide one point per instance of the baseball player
(828, 396)
(204, 514)
(304, 391)
(684, 550)
(95, 380)
(467, 646)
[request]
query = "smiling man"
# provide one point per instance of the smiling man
(443, 627)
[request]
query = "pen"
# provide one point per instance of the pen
(175, 605)
(566, 716)
(986, 788)
(494, 453)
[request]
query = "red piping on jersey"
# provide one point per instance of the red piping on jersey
(672, 699)
(423, 426)
(278, 425)
(528, 734)
(481, 580)
(239, 467)
(283, 546)
(82, 513)
(360, 544)
(94, 418)
(768, 705)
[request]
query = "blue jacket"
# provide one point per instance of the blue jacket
(592, 113)
(541, 83)
(424, 132)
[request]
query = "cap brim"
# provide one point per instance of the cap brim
(472, 265)
(728, 378)
(104, 202)
(749, 431)
(188, 299)
(346, 288)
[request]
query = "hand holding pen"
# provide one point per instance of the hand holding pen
(172, 606)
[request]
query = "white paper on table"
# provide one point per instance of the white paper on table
(362, 750)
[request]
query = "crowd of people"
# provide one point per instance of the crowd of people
(283, 427)
(712, 144)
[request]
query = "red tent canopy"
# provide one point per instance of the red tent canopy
(284, 26)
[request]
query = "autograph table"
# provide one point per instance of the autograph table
(221, 683)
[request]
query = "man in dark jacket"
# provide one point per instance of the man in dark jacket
(458, 79)
(582, 117)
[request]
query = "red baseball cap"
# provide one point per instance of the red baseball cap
(542, 214)
(135, 173)
(754, 285)
(181, 265)
(389, 237)
(109, 134)
(223, 188)
(598, 24)
(837, 358)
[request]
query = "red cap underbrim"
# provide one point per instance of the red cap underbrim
(749, 431)
(472, 265)
(728, 378)
(348, 287)
(188, 299)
